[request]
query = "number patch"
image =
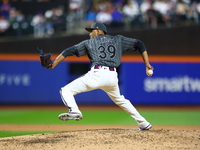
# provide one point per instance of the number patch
(109, 50)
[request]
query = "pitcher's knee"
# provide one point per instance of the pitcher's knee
(120, 100)
(66, 89)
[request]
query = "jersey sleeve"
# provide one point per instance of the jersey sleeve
(78, 50)
(131, 44)
(81, 48)
(69, 52)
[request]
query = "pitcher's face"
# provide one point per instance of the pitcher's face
(93, 33)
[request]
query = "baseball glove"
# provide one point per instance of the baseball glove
(45, 60)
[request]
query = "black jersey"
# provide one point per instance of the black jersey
(106, 50)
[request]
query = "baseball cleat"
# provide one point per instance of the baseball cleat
(146, 128)
(70, 116)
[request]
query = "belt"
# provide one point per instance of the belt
(105, 67)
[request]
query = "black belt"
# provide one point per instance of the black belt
(99, 67)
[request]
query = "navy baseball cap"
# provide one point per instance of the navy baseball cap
(97, 25)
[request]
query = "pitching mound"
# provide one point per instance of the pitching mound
(106, 139)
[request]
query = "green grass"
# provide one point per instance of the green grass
(19, 133)
(99, 117)
(117, 117)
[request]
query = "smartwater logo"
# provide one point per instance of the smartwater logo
(15, 79)
(174, 84)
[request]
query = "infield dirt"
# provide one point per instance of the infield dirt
(106, 139)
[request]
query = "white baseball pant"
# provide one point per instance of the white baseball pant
(103, 79)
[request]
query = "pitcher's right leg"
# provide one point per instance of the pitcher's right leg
(126, 105)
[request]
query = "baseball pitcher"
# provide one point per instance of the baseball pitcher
(105, 52)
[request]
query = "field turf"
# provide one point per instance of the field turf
(96, 117)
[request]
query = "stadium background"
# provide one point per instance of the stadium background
(174, 52)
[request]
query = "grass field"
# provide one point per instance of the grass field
(96, 117)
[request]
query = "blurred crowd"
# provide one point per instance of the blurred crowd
(115, 14)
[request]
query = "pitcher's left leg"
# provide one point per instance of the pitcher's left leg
(67, 94)
(85, 83)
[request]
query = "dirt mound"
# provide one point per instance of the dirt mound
(106, 139)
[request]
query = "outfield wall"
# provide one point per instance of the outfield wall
(176, 80)
(166, 41)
